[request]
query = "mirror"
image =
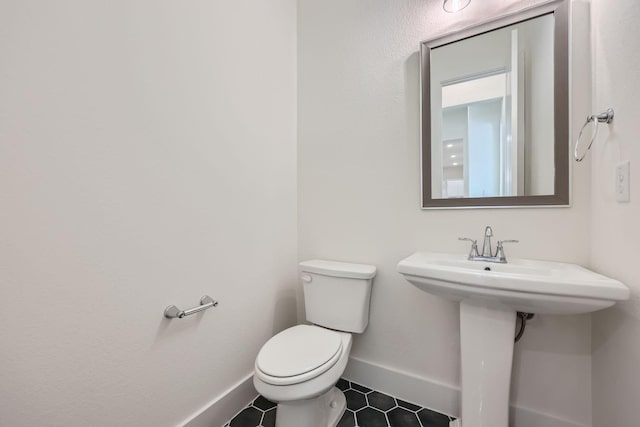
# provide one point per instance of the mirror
(495, 112)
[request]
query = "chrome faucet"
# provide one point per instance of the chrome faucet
(487, 254)
(486, 246)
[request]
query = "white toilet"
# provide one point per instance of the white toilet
(299, 367)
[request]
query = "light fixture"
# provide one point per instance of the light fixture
(453, 6)
(449, 145)
(453, 156)
(455, 164)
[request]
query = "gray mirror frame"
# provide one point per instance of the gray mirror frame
(561, 196)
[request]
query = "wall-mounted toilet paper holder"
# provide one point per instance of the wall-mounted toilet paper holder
(173, 312)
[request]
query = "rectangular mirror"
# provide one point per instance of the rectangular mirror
(495, 113)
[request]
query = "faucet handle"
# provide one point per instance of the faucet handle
(474, 242)
(474, 246)
(500, 249)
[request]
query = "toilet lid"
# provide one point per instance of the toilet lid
(299, 350)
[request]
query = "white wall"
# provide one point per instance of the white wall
(359, 197)
(615, 228)
(147, 157)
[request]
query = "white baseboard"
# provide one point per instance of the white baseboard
(422, 391)
(224, 407)
(523, 417)
(440, 397)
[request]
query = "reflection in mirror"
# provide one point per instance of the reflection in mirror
(480, 117)
(475, 139)
(494, 121)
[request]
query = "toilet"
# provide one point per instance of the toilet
(299, 367)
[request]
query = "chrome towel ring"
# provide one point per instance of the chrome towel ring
(604, 117)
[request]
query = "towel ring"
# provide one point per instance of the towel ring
(604, 117)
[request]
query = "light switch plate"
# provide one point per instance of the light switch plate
(622, 182)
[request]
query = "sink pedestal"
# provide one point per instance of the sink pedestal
(487, 338)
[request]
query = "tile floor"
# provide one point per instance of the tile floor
(365, 408)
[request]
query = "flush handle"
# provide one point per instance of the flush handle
(306, 278)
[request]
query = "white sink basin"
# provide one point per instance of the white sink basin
(529, 286)
(489, 295)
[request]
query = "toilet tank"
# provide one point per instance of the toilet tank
(337, 294)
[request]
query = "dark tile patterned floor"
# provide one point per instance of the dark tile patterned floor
(365, 408)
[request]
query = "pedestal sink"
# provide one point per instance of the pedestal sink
(490, 294)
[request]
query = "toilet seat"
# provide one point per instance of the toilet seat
(298, 354)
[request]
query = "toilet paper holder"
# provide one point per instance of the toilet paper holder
(173, 312)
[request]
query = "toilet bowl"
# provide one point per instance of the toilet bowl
(304, 391)
(299, 367)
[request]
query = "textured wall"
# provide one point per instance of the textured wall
(359, 196)
(615, 230)
(147, 157)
